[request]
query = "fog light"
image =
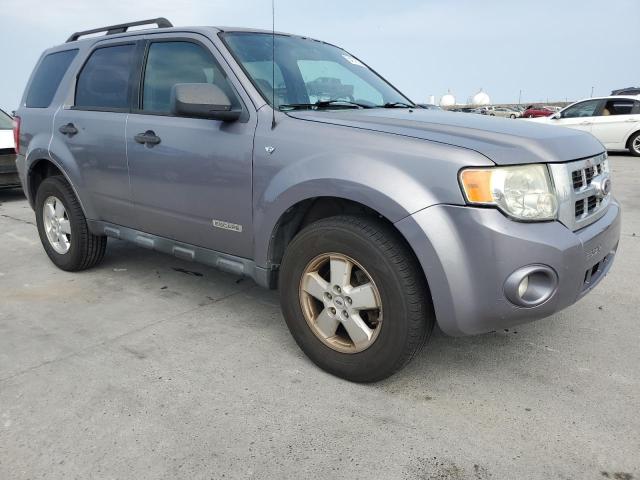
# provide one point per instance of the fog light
(531, 286)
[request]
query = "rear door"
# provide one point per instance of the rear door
(94, 128)
(617, 119)
(195, 185)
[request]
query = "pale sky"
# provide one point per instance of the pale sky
(549, 49)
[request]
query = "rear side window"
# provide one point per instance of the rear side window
(618, 107)
(47, 78)
(103, 82)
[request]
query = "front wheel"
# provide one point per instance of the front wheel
(634, 145)
(354, 297)
(63, 228)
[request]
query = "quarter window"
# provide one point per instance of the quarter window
(47, 78)
(103, 83)
(170, 63)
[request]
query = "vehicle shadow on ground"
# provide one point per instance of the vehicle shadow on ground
(8, 195)
(442, 356)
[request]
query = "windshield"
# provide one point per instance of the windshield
(310, 74)
(6, 123)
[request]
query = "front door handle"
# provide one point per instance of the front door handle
(147, 138)
(68, 129)
(585, 123)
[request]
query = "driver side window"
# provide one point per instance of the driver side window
(583, 109)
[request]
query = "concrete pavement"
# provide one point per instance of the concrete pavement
(151, 367)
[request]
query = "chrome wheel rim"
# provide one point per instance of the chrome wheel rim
(56, 225)
(341, 303)
(636, 144)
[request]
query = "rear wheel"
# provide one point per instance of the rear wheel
(63, 228)
(354, 297)
(634, 144)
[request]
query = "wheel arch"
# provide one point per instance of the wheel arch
(627, 143)
(42, 168)
(309, 210)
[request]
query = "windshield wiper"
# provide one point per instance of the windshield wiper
(324, 104)
(397, 105)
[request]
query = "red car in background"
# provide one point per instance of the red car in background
(534, 112)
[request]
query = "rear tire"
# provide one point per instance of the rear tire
(401, 316)
(63, 228)
(634, 144)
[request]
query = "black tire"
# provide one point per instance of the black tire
(408, 316)
(512, 116)
(85, 250)
(634, 151)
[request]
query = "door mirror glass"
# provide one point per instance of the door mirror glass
(556, 116)
(203, 100)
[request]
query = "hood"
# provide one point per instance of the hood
(504, 141)
(6, 139)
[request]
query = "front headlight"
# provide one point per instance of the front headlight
(523, 192)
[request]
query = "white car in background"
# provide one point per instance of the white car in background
(8, 171)
(615, 120)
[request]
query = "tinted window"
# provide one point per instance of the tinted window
(583, 109)
(47, 78)
(618, 107)
(169, 63)
(104, 80)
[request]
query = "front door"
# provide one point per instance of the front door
(193, 182)
(579, 116)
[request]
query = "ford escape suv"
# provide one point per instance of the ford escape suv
(311, 173)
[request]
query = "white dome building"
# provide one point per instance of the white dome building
(480, 99)
(448, 100)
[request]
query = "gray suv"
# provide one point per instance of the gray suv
(314, 175)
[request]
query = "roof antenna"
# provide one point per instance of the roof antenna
(273, 63)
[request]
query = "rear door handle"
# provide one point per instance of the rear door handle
(632, 120)
(68, 129)
(147, 138)
(585, 123)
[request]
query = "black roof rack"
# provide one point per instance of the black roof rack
(161, 22)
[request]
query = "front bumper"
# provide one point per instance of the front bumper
(468, 253)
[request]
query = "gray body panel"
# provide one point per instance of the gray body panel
(401, 163)
(504, 141)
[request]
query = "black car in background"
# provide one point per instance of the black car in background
(627, 91)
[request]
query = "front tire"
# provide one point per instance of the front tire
(63, 228)
(354, 297)
(634, 144)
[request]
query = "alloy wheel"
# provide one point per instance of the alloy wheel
(341, 303)
(57, 225)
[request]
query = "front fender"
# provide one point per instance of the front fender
(373, 183)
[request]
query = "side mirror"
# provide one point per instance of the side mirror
(556, 116)
(202, 100)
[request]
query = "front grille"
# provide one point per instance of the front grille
(579, 185)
